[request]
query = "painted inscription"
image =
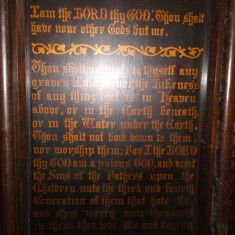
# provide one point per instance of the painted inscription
(115, 116)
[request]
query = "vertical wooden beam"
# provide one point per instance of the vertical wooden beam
(209, 138)
(7, 143)
(19, 87)
(225, 124)
(216, 143)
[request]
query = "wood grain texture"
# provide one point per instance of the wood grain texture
(7, 146)
(225, 126)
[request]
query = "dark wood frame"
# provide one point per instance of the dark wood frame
(216, 143)
(13, 173)
(225, 73)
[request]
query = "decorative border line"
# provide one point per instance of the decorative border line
(123, 50)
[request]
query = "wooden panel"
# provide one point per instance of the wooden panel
(116, 94)
(120, 122)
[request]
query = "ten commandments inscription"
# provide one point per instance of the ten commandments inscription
(115, 115)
